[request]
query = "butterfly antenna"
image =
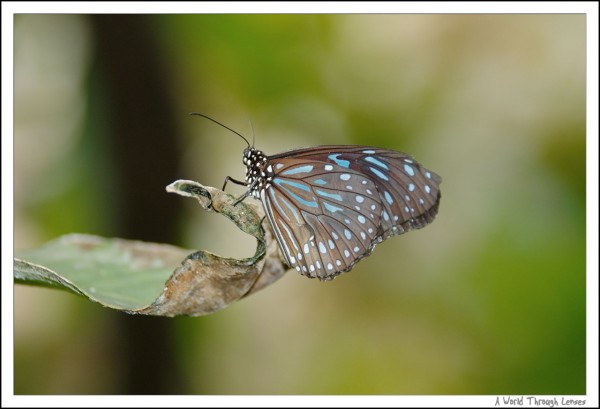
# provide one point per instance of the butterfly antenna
(253, 134)
(224, 126)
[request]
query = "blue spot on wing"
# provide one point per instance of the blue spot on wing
(388, 197)
(292, 209)
(341, 162)
(299, 169)
(296, 185)
(282, 183)
(379, 173)
(332, 208)
(335, 196)
(376, 162)
(276, 200)
(320, 182)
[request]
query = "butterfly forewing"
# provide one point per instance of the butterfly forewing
(409, 193)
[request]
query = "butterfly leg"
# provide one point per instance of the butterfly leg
(241, 198)
(237, 182)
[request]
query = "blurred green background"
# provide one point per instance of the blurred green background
(489, 299)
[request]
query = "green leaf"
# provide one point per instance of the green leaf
(156, 279)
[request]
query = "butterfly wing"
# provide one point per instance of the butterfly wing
(329, 206)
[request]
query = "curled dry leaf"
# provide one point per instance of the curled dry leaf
(130, 275)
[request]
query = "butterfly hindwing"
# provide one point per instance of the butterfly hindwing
(326, 217)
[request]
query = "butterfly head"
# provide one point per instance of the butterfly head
(257, 174)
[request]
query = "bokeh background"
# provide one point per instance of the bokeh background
(489, 299)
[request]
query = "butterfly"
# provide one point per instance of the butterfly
(329, 206)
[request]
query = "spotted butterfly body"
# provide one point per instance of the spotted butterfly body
(329, 206)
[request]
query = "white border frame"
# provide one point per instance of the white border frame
(11, 8)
